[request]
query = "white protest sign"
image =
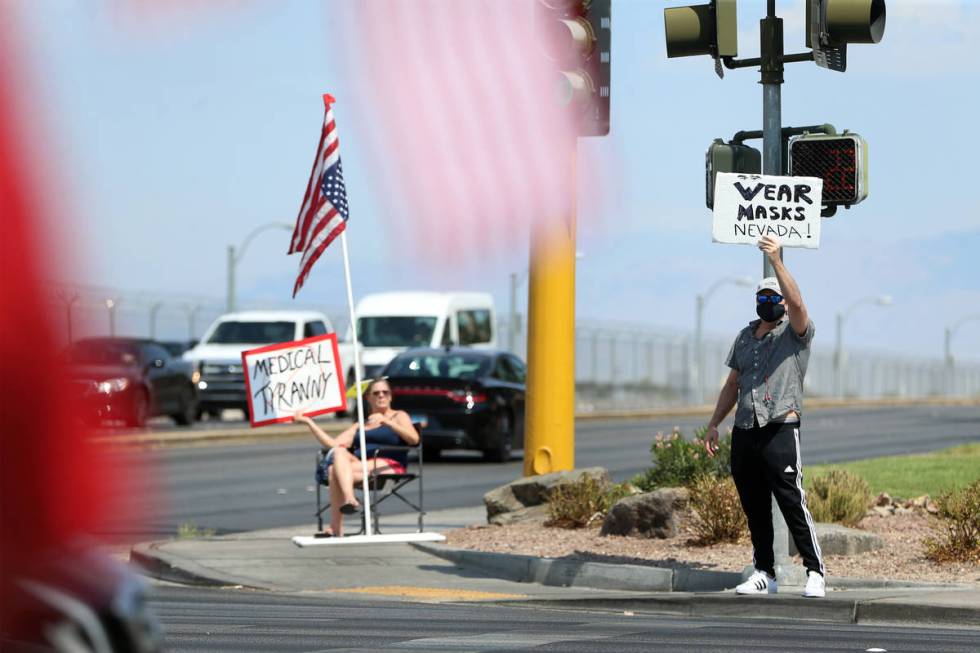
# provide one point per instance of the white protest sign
(748, 207)
(293, 376)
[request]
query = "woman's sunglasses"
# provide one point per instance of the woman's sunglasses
(775, 299)
(380, 393)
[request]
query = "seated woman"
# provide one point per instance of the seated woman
(383, 426)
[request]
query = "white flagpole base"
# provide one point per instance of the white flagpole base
(308, 540)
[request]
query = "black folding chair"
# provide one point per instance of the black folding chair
(381, 484)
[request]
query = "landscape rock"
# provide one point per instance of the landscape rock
(884, 505)
(651, 514)
(538, 514)
(500, 500)
(840, 540)
(534, 490)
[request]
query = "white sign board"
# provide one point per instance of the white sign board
(748, 207)
(293, 376)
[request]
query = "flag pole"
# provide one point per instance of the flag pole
(357, 384)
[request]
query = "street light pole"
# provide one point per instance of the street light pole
(191, 313)
(699, 349)
(882, 300)
(153, 319)
(110, 304)
(512, 336)
(235, 257)
(699, 376)
(69, 301)
(948, 349)
(230, 290)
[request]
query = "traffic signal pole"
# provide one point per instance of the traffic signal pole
(771, 49)
(549, 438)
(771, 64)
(577, 37)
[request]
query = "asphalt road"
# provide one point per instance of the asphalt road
(252, 486)
(232, 620)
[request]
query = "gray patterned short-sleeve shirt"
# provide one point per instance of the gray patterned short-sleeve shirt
(770, 372)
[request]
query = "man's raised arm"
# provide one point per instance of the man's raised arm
(798, 317)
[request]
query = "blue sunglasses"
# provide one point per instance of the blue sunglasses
(774, 299)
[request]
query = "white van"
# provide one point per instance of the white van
(389, 323)
(217, 358)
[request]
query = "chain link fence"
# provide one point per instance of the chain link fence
(618, 366)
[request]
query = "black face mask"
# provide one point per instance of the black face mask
(770, 312)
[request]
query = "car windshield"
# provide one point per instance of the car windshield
(452, 365)
(103, 353)
(396, 331)
(252, 333)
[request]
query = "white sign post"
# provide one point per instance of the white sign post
(748, 207)
(293, 376)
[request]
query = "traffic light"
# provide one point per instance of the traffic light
(832, 24)
(840, 160)
(728, 157)
(577, 35)
(702, 29)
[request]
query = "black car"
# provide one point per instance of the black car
(468, 398)
(130, 379)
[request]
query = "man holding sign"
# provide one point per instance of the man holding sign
(768, 361)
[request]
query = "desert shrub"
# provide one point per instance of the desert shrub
(958, 526)
(583, 502)
(838, 496)
(678, 462)
(719, 516)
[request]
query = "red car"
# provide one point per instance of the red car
(129, 380)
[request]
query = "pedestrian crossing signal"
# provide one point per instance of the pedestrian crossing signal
(840, 160)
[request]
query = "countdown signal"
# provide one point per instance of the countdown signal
(841, 160)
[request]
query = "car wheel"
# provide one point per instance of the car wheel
(138, 410)
(188, 409)
(503, 432)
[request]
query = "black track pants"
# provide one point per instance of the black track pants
(765, 462)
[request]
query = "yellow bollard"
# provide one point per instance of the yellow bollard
(549, 441)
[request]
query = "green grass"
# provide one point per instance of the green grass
(912, 476)
(189, 530)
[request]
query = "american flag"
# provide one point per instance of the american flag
(461, 132)
(323, 215)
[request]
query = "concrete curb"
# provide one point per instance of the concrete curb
(883, 610)
(229, 435)
(811, 403)
(248, 434)
(690, 593)
(916, 613)
(632, 578)
(583, 574)
(713, 605)
(151, 561)
(698, 593)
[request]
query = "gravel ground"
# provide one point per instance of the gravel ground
(901, 558)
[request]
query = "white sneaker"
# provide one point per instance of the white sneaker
(758, 583)
(815, 585)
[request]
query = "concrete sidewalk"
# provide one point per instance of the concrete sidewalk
(268, 560)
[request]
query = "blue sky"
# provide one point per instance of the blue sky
(180, 135)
